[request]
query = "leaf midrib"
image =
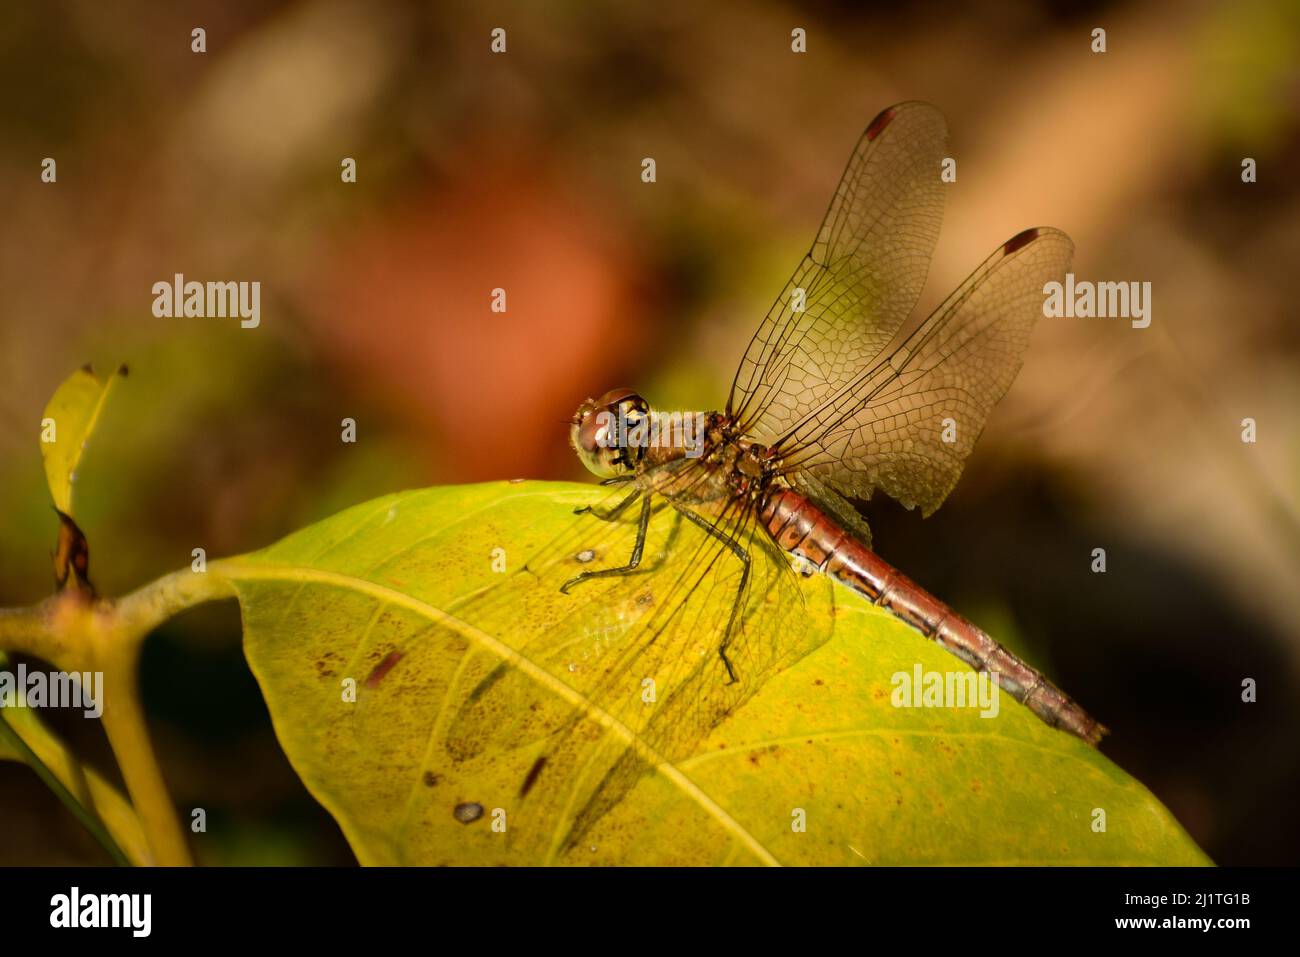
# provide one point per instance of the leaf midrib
(243, 570)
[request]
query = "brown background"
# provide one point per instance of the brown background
(522, 171)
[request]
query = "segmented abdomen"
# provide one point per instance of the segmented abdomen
(803, 529)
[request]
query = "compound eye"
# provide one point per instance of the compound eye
(615, 399)
(592, 434)
(634, 408)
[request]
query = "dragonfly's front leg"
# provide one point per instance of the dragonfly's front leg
(642, 527)
(609, 514)
(739, 551)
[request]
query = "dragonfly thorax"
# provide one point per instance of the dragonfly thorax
(748, 465)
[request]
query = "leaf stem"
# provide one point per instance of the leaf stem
(98, 829)
(76, 634)
(128, 735)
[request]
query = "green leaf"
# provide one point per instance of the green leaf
(67, 425)
(467, 716)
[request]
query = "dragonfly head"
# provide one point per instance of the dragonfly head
(599, 432)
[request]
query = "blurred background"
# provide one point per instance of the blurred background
(522, 171)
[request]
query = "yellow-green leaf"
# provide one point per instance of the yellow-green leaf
(66, 426)
(498, 721)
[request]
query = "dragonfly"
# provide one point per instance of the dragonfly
(821, 411)
(681, 578)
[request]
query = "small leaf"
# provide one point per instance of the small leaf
(425, 701)
(66, 426)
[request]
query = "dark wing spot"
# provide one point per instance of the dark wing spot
(430, 779)
(1019, 241)
(382, 669)
(533, 775)
(883, 119)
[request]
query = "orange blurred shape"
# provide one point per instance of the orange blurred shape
(404, 308)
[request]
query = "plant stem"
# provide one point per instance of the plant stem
(124, 723)
(128, 735)
(76, 634)
(21, 628)
(98, 829)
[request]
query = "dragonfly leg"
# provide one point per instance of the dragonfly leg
(637, 549)
(738, 550)
(608, 514)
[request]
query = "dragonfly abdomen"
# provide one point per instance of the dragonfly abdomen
(803, 529)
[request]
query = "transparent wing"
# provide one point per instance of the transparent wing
(860, 280)
(590, 691)
(906, 424)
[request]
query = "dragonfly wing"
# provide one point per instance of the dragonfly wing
(860, 280)
(907, 424)
(832, 502)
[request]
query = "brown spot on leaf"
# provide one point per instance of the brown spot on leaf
(382, 669)
(533, 774)
(482, 688)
